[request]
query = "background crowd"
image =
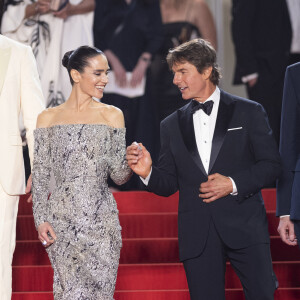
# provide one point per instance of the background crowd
(135, 35)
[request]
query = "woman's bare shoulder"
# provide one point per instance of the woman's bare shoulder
(46, 116)
(112, 114)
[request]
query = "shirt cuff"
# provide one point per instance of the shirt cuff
(234, 189)
(146, 180)
(284, 216)
(249, 77)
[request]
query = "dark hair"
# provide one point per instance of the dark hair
(199, 53)
(78, 59)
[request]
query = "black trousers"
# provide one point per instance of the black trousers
(297, 231)
(253, 265)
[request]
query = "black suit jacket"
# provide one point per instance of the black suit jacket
(288, 188)
(262, 33)
(248, 154)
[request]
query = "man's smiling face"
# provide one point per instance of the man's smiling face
(191, 83)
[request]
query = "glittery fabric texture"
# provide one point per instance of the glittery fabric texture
(81, 209)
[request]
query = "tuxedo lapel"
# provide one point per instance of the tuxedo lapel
(186, 125)
(225, 111)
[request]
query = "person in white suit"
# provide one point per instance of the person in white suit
(20, 92)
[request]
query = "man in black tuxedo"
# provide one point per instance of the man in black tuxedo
(288, 187)
(262, 34)
(218, 151)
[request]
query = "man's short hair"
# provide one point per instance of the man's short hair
(199, 53)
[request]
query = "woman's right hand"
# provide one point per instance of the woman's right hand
(120, 75)
(45, 238)
(118, 68)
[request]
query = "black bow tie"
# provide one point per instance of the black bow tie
(206, 106)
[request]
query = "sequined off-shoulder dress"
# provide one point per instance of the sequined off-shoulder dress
(81, 209)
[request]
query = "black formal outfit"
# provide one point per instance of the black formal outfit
(128, 31)
(288, 187)
(261, 32)
(167, 96)
(233, 227)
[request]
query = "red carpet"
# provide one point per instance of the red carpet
(149, 267)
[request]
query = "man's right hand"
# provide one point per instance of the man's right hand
(139, 159)
(286, 231)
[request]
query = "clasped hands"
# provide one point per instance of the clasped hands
(44, 7)
(216, 186)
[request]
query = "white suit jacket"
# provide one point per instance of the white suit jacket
(20, 92)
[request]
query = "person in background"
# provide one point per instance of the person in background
(262, 34)
(20, 93)
(82, 142)
(1, 11)
(50, 31)
(294, 10)
(183, 20)
(219, 152)
(50, 27)
(130, 33)
(288, 185)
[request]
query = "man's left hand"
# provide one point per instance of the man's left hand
(28, 189)
(217, 186)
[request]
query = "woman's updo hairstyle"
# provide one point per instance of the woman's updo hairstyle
(78, 59)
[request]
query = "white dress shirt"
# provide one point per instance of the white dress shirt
(204, 127)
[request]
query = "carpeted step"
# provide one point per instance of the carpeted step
(150, 250)
(147, 277)
(234, 294)
(138, 225)
(141, 225)
(231, 294)
(32, 296)
(172, 276)
(128, 202)
(142, 202)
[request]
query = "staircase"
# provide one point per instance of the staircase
(149, 266)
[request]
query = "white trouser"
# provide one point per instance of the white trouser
(8, 220)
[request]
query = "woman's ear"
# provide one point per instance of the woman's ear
(75, 75)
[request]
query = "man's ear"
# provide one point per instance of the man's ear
(75, 75)
(207, 72)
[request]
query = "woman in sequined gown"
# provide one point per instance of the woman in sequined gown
(83, 143)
